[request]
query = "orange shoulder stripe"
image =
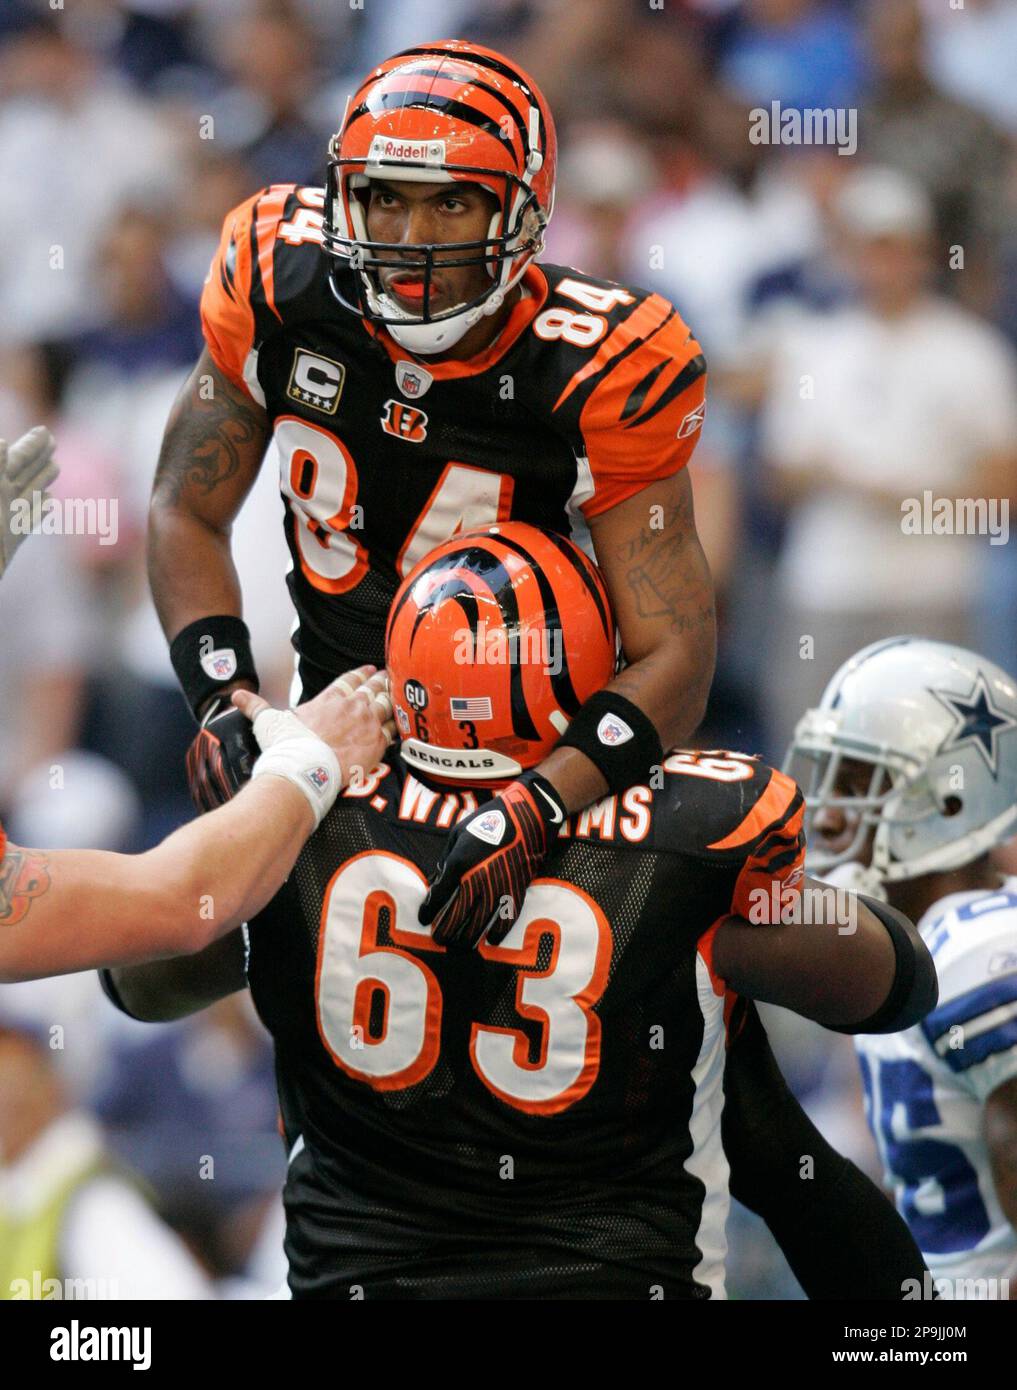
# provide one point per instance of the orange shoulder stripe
(778, 796)
(639, 324)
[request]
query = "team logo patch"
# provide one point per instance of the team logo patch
(412, 380)
(472, 708)
(318, 777)
(692, 421)
(612, 730)
(404, 421)
(490, 827)
(316, 381)
(416, 695)
(220, 664)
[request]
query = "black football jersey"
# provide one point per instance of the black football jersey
(591, 391)
(539, 1118)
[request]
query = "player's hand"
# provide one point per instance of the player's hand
(353, 716)
(490, 859)
(26, 467)
(222, 755)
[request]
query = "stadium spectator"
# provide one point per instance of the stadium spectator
(75, 142)
(68, 1213)
(952, 149)
(870, 405)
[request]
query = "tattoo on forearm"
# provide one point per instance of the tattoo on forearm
(203, 445)
(24, 876)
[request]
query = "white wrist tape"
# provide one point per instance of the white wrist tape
(291, 750)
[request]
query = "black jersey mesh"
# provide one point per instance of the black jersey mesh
(404, 1191)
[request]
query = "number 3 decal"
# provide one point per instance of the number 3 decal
(379, 1007)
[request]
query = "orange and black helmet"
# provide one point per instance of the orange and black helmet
(437, 113)
(494, 642)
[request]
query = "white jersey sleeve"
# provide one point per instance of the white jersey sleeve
(973, 1029)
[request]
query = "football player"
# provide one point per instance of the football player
(912, 774)
(67, 910)
(71, 910)
(420, 374)
(541, 1116)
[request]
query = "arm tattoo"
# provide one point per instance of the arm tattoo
(667, 572)
(24, 876)
(203, 445)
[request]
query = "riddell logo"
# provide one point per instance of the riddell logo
(419, 151)
(404, 421)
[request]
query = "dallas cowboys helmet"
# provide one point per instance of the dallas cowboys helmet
(938, 725)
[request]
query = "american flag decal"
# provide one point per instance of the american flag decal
(473, 708)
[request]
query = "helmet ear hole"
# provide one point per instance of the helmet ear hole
(952, 806)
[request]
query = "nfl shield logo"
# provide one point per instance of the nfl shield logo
(489, 827)
(412, 379)
(612, 730)
(220, 664)
(318, 777)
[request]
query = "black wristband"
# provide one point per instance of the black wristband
(915, 988)
(113, 994)
(210, 654)
(618, 737)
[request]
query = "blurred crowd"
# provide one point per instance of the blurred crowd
(857, 311)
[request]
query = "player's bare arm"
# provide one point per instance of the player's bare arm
(842, 967)
(662, 594)
(162, 991)
(75, 910)
(212, 450)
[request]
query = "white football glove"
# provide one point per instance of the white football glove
(26, 467)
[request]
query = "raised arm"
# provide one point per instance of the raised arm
(213, 447)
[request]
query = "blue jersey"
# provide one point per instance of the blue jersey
(925, 1090)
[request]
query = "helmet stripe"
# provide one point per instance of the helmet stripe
(484, 60)
(493, 92)
(488, 567)
(430, 101)
(561, 681)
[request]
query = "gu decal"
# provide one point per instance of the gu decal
(416, 695)
(316, 381)
(404, 421)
